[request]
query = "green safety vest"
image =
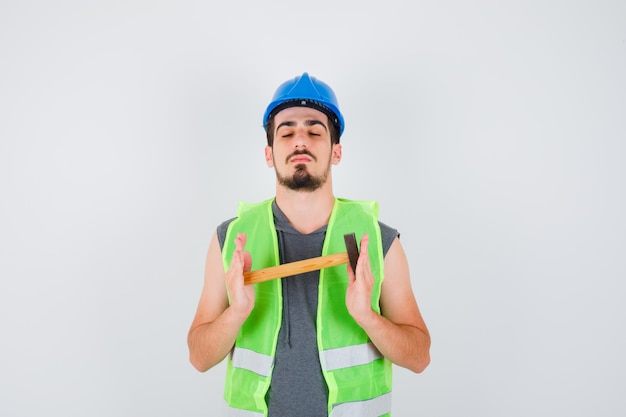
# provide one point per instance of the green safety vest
(357, 375)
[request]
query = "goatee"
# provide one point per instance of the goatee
(302, 180)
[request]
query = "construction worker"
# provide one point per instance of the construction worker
(320, 343)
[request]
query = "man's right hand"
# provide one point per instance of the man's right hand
(241, 296)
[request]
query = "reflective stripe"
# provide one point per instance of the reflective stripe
(369, 408)
(349, 356)
(252, 361)
(237, 412)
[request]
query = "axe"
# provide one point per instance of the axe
(307, 265)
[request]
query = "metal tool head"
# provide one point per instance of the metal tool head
(352, 249)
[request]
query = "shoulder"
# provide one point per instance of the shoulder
(222, 229)
(388, 234)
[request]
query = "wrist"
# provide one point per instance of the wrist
(239, 313)
(368, 319)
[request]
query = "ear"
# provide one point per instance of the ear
(337, 152)
(269, 156)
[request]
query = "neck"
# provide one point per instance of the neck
(307, 211)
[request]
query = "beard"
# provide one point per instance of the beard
(302, 179)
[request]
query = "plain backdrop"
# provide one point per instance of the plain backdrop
(492, 133)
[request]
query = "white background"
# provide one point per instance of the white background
(492, 133)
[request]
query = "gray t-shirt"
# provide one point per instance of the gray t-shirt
(298, 387)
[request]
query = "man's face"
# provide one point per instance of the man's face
(302, 152)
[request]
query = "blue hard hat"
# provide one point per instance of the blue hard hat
(305, 91)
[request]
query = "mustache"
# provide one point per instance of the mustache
(300, 152)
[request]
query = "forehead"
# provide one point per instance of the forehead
(299, 113)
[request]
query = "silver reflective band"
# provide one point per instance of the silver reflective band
(349, 356)
(369, 408)
(252, 361)
(237, 412)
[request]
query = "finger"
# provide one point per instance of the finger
(363, 255)
(247, 262)
(240, 242)
(351, 276)
(246, 258)
(237, 261)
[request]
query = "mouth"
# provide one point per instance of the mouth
(300, 157)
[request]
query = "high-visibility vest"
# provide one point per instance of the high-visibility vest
(357, 375)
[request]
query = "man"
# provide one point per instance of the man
(319, 343)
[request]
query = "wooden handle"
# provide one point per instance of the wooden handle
(294, 268)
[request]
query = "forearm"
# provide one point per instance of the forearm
(209, 343)
(404, 345)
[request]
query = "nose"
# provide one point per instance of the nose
(300, 138)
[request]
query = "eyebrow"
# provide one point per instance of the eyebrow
(311, 122)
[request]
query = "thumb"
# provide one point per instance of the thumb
(351, 276)
(247, 262)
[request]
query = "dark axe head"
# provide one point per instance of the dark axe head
(352, 249)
